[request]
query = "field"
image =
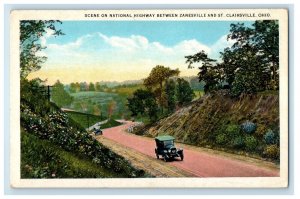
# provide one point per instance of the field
(100, 103)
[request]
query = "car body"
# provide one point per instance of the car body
(98, 131)
(165, 147)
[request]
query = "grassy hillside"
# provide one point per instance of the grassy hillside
(43, 159)
(85, 120)
(248, 124)
(51, 140)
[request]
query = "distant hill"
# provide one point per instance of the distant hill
(111, 84)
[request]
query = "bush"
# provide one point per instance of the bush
(261, 130)
(248, 127)
(238, 142)
(55, 127)
(270, 137)
(233, 130)
(221, 139)
(250, 143)
(272, 151)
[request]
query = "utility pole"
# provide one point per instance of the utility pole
(48, 93)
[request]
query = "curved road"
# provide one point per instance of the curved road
(197, 162)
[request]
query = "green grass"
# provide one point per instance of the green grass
(42, 159)
(110, 123)
(85, 120)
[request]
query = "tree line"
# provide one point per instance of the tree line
(162, 94)
(250, 65)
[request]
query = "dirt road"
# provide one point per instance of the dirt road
(197, 162)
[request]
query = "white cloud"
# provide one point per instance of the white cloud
(49, 33)
(219, 46)
(136, 52)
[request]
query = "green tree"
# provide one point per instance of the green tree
(31, 32)
(170, 86)
(252, 63)
(111, 108)
(143, 102)
(60, 96)
(91, 87)
(209, 73)
(156, 79)
(73, 87)
(184, 93)
(97, 86)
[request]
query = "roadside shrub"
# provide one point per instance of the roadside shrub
(238, 142)
(272, 151)
(221, 139)
(56, 128)
(270, 137)
(248, 127)
(250, 143)
(261, 130)
(233, 129)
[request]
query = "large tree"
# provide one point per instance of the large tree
(250, 65)
(31, 32)
(209, 73)
(170, 86)
(156, 79)
(143, 102)
(184, 93)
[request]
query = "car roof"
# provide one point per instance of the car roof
(164, 137)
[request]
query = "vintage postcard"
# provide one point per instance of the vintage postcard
(149, 98)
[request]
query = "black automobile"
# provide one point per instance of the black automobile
(98, 131)
(165, 147)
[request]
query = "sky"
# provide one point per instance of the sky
(95, 51)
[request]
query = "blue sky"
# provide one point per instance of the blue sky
(125, 50)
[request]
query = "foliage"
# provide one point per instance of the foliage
(261, 130)
(232, 130)
(221, 139)
(184, 93)
(143, 102)
(250, 65)
(270, 137)
(60, 96)
(209, 73)
(34, 93)
(250, 143)
(248, 127)
(56, 127)
(111, 108)
(272, 151)
(156, 79)
(31, 31)
(238, 142)
(91, 87)
(170, 94)
(42, 159)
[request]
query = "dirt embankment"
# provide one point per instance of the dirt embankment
(204, 120)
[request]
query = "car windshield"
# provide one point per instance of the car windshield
(168, 142)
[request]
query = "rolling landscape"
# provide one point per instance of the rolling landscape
(222, 108)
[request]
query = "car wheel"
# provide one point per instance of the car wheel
(181, 157)
(165, 159)
(157, 156)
